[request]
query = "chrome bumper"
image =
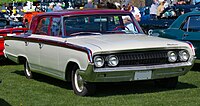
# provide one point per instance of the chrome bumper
(119, 74)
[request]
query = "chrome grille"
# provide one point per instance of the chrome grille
(143, 58)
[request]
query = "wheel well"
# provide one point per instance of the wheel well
(68, 70)
(21, 60)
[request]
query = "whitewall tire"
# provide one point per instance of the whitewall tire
(79, 86)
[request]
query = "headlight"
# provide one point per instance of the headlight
(172, 56)
(113, 60)
(98, 61)
(184, 55)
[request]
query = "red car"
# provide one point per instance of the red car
(4, 32)
(28, 17)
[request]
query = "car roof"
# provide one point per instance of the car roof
(194, 12)
(183, 17)
(85, 12)
(197, 12)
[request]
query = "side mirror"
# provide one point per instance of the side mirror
(150, 32)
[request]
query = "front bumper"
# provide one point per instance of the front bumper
(119, 74)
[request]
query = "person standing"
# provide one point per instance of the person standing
(3, 8)
(89, 5)
(58, 7)
(160, 8)
(153, 9)
(50, 8)
(127, 6)
(37, 8)
(25, 7)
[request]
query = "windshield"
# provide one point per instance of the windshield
(100, 24)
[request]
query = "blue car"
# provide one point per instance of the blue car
(168, 16)
(185, 28)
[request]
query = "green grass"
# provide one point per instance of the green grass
(16, 90)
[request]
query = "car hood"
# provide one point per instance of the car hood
(116, 42)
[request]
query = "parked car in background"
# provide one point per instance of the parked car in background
(28, 17)
(89, 46)
(168, 16)
(185, 28)
(8, 21)
(9, 26)
(4, 32)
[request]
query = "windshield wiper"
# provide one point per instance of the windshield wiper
(85, 33)
(123, 31)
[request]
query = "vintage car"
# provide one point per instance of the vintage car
(185, 28)
(90, 46)
(27, 17)
(4, 32)
(8, 26)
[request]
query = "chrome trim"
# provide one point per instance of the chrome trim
(103, 61)
(115, 69)
(4, 52)
(142, 49)
(1, 37)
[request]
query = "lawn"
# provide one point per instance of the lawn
(16, 90)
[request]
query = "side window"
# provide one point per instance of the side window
(55, 27)
(42, 27)
(192, 24)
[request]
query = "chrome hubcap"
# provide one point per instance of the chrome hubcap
(79, 83)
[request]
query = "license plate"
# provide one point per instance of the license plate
(143, 75)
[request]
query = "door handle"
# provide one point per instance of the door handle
(7, 44)
(26, 43)
(185, 34)
(40, 45)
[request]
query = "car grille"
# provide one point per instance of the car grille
(143, 58)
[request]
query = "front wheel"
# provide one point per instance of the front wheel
(167, 82)
(27, 70)
(81, 87)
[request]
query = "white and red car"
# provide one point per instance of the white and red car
(88, 46)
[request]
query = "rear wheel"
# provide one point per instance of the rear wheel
(27, 70)
(167, 82)
(81, 87)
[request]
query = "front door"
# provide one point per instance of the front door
(49, 60)
(192, 32)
